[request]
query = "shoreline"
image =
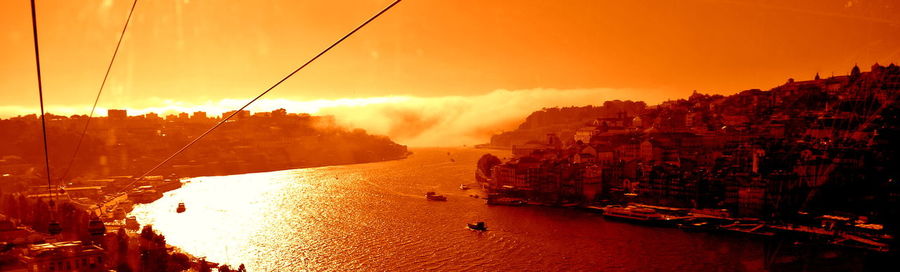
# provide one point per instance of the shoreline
(211, 170)
(492, 147)
(772, 229)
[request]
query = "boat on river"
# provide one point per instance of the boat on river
(505, 201)
(435, 197)
(180, 208)
(633, 213)
(477, 226)
(751, 227)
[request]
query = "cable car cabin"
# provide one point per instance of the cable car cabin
(96, 227)
(54, 228)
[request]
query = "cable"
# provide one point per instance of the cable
(96, 99)
(260, 95)
(37, 60)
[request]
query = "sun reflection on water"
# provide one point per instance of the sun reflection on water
(254, 205)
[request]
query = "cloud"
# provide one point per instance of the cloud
(410, 120)
(458, 120)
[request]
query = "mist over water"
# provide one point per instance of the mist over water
(374, 217)
(459, 120)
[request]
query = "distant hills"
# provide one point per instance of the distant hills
(129, 145)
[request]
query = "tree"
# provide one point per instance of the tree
(122, 246)
(486, 162)
(179, 262)
(204, 266)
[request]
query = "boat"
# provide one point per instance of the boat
(753, 228)
(463, 187)
(633, 213)
(698, 224)
(435, 197)
(477, 226)
(180, 208)
(594, 209)
(506, 201)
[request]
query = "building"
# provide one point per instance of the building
(585, 134)
(199, 115)
(237, 114)
(116, 115)
(64, 256)
(10, 233)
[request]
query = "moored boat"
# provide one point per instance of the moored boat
(703, 224)
(633, 213)
(754, 229)
(506, 201)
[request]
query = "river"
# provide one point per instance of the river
(374, 217)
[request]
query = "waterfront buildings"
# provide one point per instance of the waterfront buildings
(64, 256)
(799, 147)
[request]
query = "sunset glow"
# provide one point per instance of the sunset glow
(190, 53)
(449, 135)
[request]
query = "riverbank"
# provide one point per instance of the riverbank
(217, 169)
(829, 230)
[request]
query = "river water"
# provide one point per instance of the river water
(374, 217)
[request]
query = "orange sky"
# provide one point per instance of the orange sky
(202, 51)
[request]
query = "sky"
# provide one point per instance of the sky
(447, 64)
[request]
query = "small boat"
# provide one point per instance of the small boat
(180, 208)
(477, 226)
(435, 197)
(632, 213)
(696, 225)
(752, 228)
(505, 201)
(463, 187)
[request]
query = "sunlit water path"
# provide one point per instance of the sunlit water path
(374, 217)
